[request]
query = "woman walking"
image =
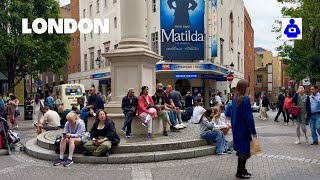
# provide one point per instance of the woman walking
(37, 113)
(13, 111)
(302, 101)
(243, 128)
(287, 104)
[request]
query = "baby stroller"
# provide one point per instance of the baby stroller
(9, 140)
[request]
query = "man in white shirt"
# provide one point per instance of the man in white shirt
(197, 113)
(51, 120)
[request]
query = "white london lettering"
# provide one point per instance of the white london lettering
(65, 26)
(182, 36)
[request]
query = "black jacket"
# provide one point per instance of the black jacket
(265, 102)
(281, 99)
(126, 105)
(110, 132)
(295, 99)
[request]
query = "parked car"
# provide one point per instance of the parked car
(255, 107)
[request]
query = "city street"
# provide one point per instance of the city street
(281, 159)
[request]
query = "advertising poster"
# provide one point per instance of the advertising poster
(182, 29)
(214, 26)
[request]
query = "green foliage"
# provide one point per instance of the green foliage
(302, 59)
(22, 54)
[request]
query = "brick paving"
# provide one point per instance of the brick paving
(281, 159)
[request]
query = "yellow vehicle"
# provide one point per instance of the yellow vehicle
(69, 94)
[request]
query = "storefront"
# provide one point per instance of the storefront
(203, 78)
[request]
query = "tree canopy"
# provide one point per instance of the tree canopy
(303, 58)
(30, 54)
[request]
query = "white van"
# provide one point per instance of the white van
(69, 94)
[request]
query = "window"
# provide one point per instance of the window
(73, 90)
(98, 5)
(99, 56)
(221, 51)
(84, 37)
(90, 10)
(154, 6)
(84, 13)
(85, 62)
(91, 58)
(115, 46)
(114, 1)
(238, 61)
(79, 68)
(261, 64)
(154, 42)
(106, 49)
(105, 3)
(259, 79)
(231, 27)
(115, 22)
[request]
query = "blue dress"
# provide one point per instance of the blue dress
(242, 130)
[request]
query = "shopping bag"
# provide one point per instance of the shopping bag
(255, 147)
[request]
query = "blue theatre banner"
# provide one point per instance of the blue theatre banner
(214, 27)
(182, 29)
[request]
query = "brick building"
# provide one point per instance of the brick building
(249, 52)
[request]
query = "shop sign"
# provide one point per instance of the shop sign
(185, 75)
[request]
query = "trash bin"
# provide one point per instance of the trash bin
(28, 111)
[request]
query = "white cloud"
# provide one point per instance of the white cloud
(263, 13)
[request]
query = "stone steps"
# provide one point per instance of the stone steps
(34, 150)
(44, 142)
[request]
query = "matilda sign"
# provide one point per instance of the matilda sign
(182, 29)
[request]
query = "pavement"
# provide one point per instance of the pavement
(281, 159)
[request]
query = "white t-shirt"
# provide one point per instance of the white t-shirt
(218, 98)
(197, 113)
(52, 118)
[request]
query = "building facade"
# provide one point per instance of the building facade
(264, 58)
(249, 52)
(228, 24)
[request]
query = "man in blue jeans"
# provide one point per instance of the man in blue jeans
(314, 119)
(95, 103)
(129, 106)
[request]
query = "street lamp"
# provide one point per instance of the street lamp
(99, 61)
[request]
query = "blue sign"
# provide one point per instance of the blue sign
(214, 27)
(190, 67)
(100, 75)
(182, 29)
(292, 30)
(105, 81)
(214, 77)
(185, 75)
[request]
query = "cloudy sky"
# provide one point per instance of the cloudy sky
(263, 14)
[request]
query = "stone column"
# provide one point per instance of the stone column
(132, 64)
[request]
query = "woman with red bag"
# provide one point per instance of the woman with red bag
(287, 105)
(303, 102)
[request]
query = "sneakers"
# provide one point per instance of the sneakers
(58, 162)
(183, 125)
(286, 124)
(128, 136)
(68, 163)
(145, 124)
(174, 129)
(178, 126)
(297, 142)
(315, 143)
(276, 120)
(223, 153)
(123, 131)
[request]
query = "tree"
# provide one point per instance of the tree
(302, 59)
(29, 54)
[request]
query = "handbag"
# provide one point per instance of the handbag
(255, 147)
(85, 138)
(294, 110)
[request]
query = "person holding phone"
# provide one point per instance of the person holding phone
(103, 134)
(158, 99)
(73, 131)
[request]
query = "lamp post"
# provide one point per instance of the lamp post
(99, 61)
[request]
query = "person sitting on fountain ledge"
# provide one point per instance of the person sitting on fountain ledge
(94, 104)
(129, 106)
(158, 99)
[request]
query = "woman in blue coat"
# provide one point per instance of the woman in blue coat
(243, 128)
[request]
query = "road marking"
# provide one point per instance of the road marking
(313, 161)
